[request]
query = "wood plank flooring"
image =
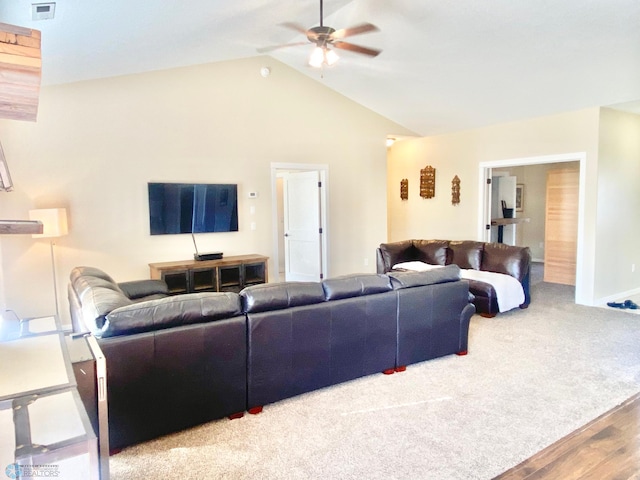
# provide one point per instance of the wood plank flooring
(607, 448)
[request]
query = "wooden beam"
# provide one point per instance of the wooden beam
(16, 30)
(20, 72)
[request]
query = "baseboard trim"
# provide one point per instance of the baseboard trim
(617, 296)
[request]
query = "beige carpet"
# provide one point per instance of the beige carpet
(531, 377)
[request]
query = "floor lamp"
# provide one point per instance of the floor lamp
(54, 224)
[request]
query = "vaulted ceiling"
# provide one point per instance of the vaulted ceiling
(446, 65)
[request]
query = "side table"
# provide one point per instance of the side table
(44, 428)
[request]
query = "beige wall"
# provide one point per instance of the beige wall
(462, 153)
(96, 144)
(618, 205)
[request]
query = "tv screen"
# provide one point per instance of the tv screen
(192, 208)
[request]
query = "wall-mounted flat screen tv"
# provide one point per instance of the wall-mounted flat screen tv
(192, 208)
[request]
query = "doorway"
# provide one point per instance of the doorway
(299, 220)
(484, 233)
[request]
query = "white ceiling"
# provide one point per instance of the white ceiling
(446, 65)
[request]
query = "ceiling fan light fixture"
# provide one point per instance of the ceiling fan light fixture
(330, 57)
(323, 56)
(317, 57)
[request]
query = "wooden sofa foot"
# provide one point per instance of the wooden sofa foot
(401, 368)
(488, 315)
(462, 353)
(255, 410)
(233, 416)
(389, 371)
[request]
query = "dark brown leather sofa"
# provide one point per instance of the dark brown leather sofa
(172, 361)
(306, 336)
(177, 361)
(490, 257)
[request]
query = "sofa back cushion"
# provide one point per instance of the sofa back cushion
(507, 259)
(84, 284)
(433, 252)
(170, 312)
(277, 296)
(98, 301)
(141, 290)
(355, 285)
(399, 280)
(90, 272)
(396, 252)
(466, 254)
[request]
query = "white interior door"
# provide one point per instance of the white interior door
(503, 189)
(302, 220)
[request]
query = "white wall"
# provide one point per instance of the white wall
(461, 153)
(618, 205)
(96, 144)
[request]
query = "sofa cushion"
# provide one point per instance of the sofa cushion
(84, 284)
(355, 285)
(98, 301)
(507, 259)
(89, 272)
(171, 312)
(395, 252)
(433, 252)
(277, 296)
(466, 254)
(450, 273)
(138, 289)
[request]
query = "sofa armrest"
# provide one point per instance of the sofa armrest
(144, 288)
(465, 319)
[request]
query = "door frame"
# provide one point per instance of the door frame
(323, 170)
(484, 197)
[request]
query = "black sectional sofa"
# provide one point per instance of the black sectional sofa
(466, 254)
(178, 361)
(172, 361)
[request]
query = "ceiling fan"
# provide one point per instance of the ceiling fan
(325, 37)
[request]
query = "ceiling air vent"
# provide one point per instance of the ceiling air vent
(43, 11)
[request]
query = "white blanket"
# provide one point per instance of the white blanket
(509, 291)
(416, 266)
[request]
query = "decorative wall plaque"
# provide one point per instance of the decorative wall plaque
(455, 190)
(404, 189)
(428, 182)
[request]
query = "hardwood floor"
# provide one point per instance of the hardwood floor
(605, 449)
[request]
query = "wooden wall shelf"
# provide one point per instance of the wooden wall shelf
(9, 227)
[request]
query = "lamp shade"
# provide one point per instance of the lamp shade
(54, 221)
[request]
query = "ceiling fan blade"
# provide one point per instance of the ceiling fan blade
(294, 26)
(356, 30)
(284, 45)
(357, 48)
